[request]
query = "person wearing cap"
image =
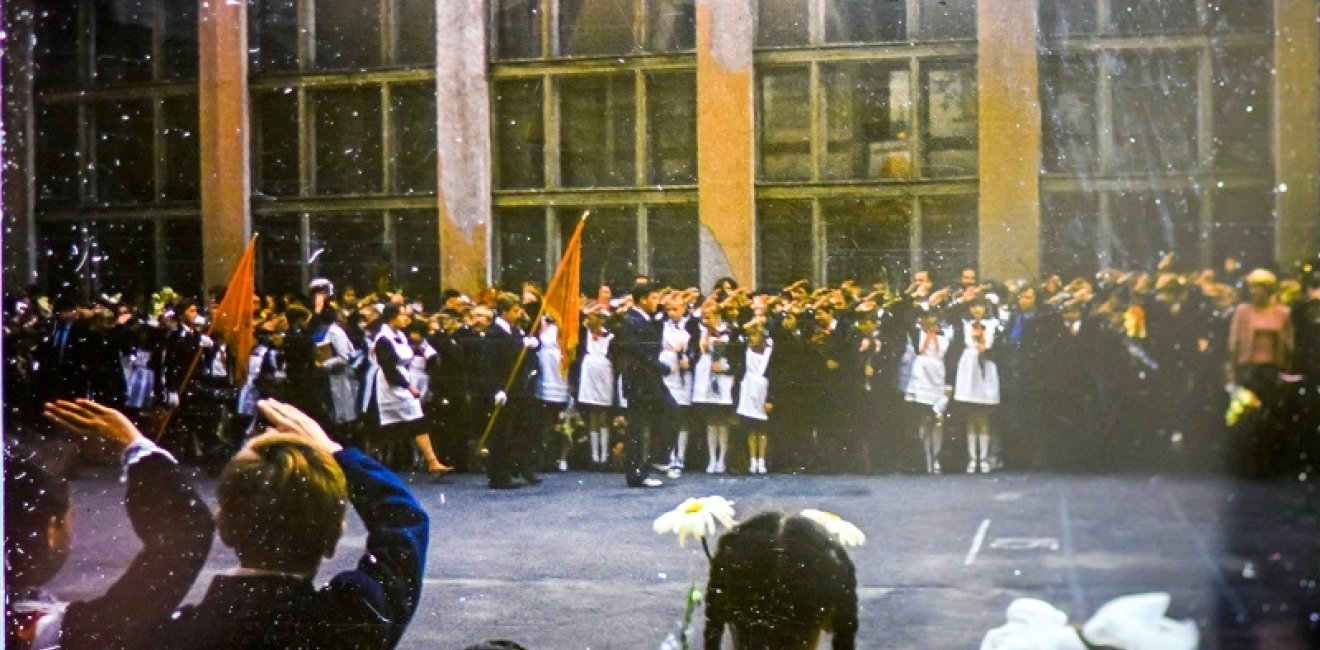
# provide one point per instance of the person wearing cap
(1260, 340)
(1260, 346)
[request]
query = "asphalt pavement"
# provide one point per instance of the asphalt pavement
(573, 563)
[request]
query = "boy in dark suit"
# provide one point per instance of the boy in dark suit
(167, 513)
(282, 501)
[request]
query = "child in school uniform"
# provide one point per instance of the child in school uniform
(928, 386)
(596, 388)
(753, 387)
(675, 337)
(712, 383)
(976, 380)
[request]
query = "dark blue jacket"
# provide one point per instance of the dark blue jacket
(368, 607)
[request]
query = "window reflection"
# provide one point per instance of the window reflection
(182, 161)
(1068, 113)
(275, 142)
(179, 41)
(868, 120)
(123, 40)
(783, 236)
(347, 34)
(671, 25)
(123, 152)
(947, 19)
(519, 134)
(1148, 225)
(1155, 126)
(865, 22)
(782, 23)
(520, 238)
(598, 130)
(673, 245)
(949, 120)
(672, 128)
(609, 244)
(272, 36)
(592, 27)
(948, 235)
(57, 153)
(867, 240)
(348, 141)
(784, 123)
(413, 118)
(517, 29)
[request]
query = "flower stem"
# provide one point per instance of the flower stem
(705, 547)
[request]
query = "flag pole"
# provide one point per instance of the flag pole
(522, 353)
(192, 368)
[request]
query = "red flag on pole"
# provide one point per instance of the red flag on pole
(563, 297)
(231, 320)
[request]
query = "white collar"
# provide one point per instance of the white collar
(504, 324)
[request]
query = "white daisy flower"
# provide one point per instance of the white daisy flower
(843, 531)
(696, 517)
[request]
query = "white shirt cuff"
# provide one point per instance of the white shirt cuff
(141, 448)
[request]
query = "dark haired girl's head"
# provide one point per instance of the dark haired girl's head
(777, 582)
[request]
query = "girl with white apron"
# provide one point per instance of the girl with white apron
(398, 403)
(712, 385)
(596, 386)
(928, 387)
(674, 341)
(753, 388)
(976, 384)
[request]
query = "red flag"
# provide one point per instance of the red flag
(563, 297)
(231, 320)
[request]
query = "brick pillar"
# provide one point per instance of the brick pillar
(726, 140)
(223, 122)
(1009, 138)
(1296, 131)
(463, 118)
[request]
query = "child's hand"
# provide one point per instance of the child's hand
(287, 419)
(91, 419)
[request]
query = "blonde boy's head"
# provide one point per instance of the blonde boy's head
(282, 504)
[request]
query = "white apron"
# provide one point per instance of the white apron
(396, 404)
(755, 386)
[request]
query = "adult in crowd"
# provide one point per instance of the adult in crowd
(636, 351)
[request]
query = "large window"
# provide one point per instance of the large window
(366, 250)
(866, 117)
(344, 148)
(117, 160)
(1154, 126)
(869, 240)
(576, 130)
(521, 28)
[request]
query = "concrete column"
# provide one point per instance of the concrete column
(17, 170)
(1296, 131)
(224, 136)
(726, 140)
(463, 119)
(1009, 138)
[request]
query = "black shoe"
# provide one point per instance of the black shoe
(531, 479)
(504, 485)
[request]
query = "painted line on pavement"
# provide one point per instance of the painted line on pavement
(1212, 567)
(977, 541)
(1075, 589)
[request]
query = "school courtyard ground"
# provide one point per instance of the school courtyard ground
(573, 563)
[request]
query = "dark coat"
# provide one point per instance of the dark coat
(363, 608)
(635, 352)
(175, 527)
